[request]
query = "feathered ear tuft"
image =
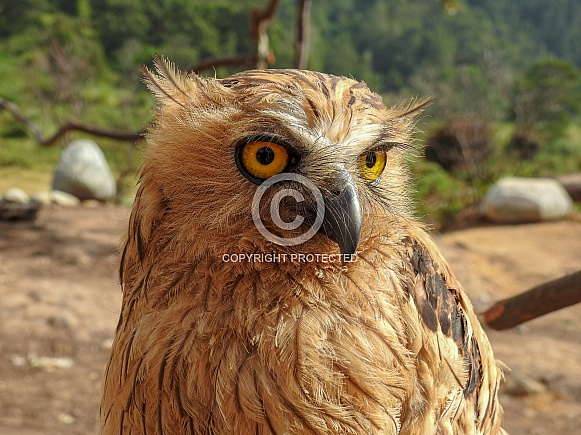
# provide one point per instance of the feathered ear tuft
(405, 114)
(401, 119)
(168, 84)
(410, 109)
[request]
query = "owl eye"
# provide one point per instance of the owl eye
(372, 164)
(259, 160)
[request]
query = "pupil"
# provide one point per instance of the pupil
(265, 156)
(371, 159)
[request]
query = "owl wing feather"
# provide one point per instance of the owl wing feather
(449, 321)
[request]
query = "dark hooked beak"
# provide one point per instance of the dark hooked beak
(342, 222)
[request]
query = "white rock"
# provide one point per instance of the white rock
(63, 199)
(66, 418)
(83, 172)
(16, 196)
(56, 197)
(17, 360)
(514, 200)
(49, 363)
(41, 197)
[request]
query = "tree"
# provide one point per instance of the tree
(544, 100)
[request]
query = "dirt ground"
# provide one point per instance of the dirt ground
(59, 302)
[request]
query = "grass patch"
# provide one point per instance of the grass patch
(24, 153)
(31, 181)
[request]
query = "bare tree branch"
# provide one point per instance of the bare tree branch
(248, 60)
(303, 34)
(538, 301)
(69, 126)
(261, 19)
(93, 131)
(263, 56)
(17, 113)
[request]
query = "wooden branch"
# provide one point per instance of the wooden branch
(17, 113)
(261, 19)
(538, 301)
(69, 126)
(303, 34)
(93, 131)
(248, 60)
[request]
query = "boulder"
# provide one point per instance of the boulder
(63, 199)
(519, 200)
(15, 205)
(56, 197)
(15, 196)
(41, 197)
(83, 172)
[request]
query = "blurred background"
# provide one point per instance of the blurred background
(505, 75)
(506, 78)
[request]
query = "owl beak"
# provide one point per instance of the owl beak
(342, 222)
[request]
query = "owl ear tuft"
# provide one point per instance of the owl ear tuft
(169, 85)
(401, 119)
(410, 109)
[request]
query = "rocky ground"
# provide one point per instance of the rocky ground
(59, 303)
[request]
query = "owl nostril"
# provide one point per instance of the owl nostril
(338, 190)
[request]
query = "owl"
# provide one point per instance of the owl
(275, 280)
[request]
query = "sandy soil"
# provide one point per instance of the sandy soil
(59, 303)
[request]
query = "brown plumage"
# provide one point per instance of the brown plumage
(210, 343)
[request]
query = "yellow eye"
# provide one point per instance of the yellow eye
(261, 160)
(372, 164)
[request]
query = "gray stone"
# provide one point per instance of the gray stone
(15, 205)
(83, 172)
(41, 197)
(63, 199)
(56, 197)
(15, 195)
(50, 363)
(515, 200)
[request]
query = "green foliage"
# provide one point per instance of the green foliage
(553, 157)
(439, 196)
(536, 27)
(185, 31)
(24, 153)
(546, 97)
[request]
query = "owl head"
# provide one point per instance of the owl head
(272, 161)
